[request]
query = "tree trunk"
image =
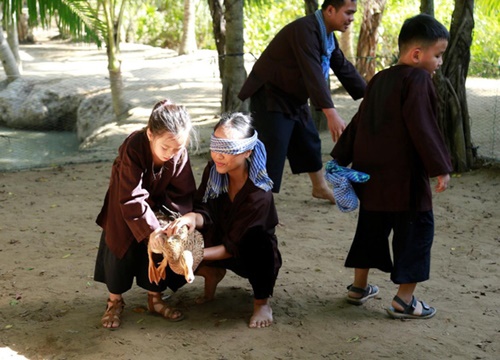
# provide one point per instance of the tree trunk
(346, 44)
(427, 7)
(311, 6)
(219, 31)
(368, 37)
(120, 106)
(234, 67)
(188, 41)
(8, 59)
(113, 24)
(24, 33)
(450, 83)
(13, 40)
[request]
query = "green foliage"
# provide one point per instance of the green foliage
(162, 26)
(259, 32)
(150, 26)
(396, 11)
(485, 48)
(204, 33)
(159, 23)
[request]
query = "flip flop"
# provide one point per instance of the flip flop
(369, 292)
(409, 309)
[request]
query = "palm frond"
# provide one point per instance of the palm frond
(77, 17)
(82, 13)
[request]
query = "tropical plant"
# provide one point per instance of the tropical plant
(485, 48)
(160, 23)
(78, 20)
(258, 33)
(158, 27)
(77, 17)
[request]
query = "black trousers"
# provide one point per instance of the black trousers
(259, 261)
(118, 274)
(285, 137)
(413, 235)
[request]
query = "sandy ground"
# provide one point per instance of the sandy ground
(50, 307)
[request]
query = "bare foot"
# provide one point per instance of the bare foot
(262, 314)
(324, 193)
(212, 276)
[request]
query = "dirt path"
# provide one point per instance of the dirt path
(50, 307)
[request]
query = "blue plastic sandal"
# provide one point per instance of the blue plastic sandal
(370, 292)
(409, 309)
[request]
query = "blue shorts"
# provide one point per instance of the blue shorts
(284, 137)
(413, 234)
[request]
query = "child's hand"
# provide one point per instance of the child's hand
(188, 220)
(442, 183)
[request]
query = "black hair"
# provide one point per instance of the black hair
(422, 29)
(237, 121)
(337, 4)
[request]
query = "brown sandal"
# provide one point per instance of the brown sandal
(114, 309)
(165, 311)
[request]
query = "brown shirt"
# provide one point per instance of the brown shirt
(395, 138)
(136, 190)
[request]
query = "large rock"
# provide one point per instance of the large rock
(93, 113)
(34, 104)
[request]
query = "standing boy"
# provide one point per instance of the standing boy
(394, 137)
(294, 68)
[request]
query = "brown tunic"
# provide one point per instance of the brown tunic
(227, 222)
(136, 190)
(394, 137)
